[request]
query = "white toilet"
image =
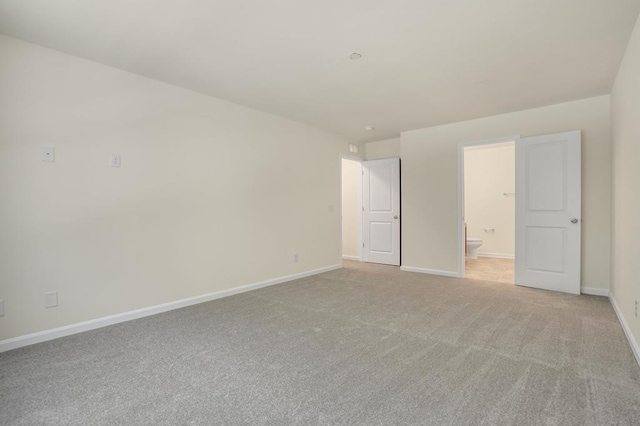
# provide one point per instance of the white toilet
(473, 244)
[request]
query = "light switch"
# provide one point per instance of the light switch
(51, 299)
(47, 153)
(115, 160)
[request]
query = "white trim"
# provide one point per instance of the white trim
(627, 331)
(496, 255)
(461, 147)
(594, 291)
(351, 157)
(478, 146)
(42, 336)
(347, 257)
(430, 271)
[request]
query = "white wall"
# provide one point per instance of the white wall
(489, 173)
(210, 196)
(383, 149)
(429, 182)
(351, 208)
(625, 239)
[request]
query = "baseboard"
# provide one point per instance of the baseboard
(43, 336)
(497, 255)
(430, 271)
(593, 291)
(347, 257)
(627, 331)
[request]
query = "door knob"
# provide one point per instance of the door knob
(574, 220)
(395, 217)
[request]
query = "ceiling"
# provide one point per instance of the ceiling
(424, 62)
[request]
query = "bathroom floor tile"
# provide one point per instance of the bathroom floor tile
(490, 269)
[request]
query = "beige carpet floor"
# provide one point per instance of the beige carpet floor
(364, 345)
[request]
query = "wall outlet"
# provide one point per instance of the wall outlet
(295, 258)
(1, 308)
(115, 160)
(51, 299)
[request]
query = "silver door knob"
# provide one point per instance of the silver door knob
(574, 220)
(395, 217)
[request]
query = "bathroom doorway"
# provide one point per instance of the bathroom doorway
(488, 200)
(546, 196)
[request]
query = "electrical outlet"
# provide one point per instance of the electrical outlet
(51, 299)
(115, 160)
(295, 258)
(1, 308)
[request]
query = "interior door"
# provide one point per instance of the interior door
(381, 211)
(548, 223)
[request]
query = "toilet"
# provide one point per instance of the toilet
(473, 244)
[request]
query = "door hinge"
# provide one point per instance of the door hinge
(362, 208)
(362, 245)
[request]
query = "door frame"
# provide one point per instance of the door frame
(461, 146)
(358, 160)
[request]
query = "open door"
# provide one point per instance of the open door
(381, 211)
(548, 208)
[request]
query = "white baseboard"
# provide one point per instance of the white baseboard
(593, 291)
(43, 336)
(627, 331)
(497, 255)
(430, 271)
(347, 257)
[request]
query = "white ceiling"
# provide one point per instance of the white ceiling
(425, 62)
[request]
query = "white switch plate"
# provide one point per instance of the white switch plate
(51, 299)
(115, 160)
(1, 308)
(47, 153)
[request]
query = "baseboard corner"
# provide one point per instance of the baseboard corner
(430, 271)
(594, 291)
(347, 257)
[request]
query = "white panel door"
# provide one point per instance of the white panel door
(381, 211)
(548, 222)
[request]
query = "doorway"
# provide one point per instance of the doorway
(547, 196)
(489, 211)
(381, 211)
(351, 207)
(370, 210)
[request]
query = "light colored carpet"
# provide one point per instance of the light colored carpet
(363, 345)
